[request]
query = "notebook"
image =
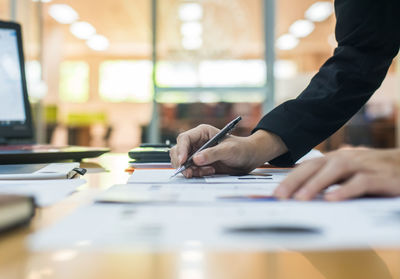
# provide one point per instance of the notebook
(15, 211)
(17, 144)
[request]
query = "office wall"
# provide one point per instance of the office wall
(4, 9)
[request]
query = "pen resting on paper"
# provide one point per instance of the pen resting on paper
(211, 142)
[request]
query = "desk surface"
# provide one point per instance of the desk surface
(16, 261)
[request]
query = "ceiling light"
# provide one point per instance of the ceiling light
(43, 1)
(82, 30)
(189, 29)
(319, 11)
(98, 42)
(192, 43)
(287, 42)
(302, 28)
(63, 13)
(190, 12)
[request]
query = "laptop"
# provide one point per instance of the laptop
(17, 141)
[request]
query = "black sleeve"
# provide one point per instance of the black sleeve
(368, 35)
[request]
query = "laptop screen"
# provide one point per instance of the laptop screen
(12, 109)
(15, 118)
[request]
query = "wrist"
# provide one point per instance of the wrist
(266, 146)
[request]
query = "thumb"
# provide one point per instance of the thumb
(210, 155)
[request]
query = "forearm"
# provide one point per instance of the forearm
(367, 45)
(265, 146)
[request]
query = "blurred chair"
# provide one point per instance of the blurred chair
(81, 126)
(50, 117)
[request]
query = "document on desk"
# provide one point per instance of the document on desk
(260, 175)
(163, 176)
(154, 213)
(187, 194)
(45, 192)
(160, 176)
(285, 225)
(257, 176)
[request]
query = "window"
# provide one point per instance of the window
(74, 81)
(210, 51)
(125, 80)
(217, 73)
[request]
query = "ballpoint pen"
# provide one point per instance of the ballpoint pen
(210, 143)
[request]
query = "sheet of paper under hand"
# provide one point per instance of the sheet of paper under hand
(160, 176)
(257, 176)
(163, 176)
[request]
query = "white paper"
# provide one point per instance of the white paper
(166, 214)
(160, 176)
(45, 192)
(243, 226)
(257, 176)
(187, 194)
(164, 176)
(150, 165)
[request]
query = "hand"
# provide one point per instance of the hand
(234, 155)
(359, 171)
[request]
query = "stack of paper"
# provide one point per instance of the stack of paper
(155, 212)
(254, 226)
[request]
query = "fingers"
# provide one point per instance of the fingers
(189, 140)
(355, 187)
(336, 169)
(174, 157)
(211, 155)
(203, 171)
(366, 184)
(298, 177)
(198, 171)
(307, 180)
(188, 173)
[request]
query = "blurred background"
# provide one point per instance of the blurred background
(120, 72)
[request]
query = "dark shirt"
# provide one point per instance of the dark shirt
(368, 35)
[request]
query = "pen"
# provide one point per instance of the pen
(211, 142)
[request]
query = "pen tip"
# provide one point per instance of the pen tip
(178, 171)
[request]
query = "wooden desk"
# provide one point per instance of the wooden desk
(16, 261)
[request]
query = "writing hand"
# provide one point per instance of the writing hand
(234, 155)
